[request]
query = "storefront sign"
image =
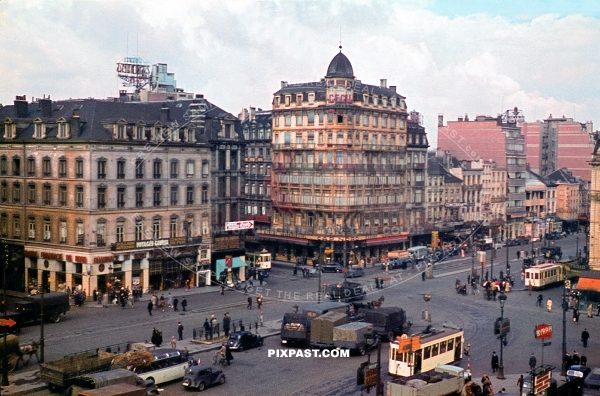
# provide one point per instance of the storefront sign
(543, 331)
(69, 257)
(150, 243)
(227, 243)
(52, 256)
(81, 259)
(103, 259)
(239, 225)
(31, 253)
(139, 256)
(228, 261)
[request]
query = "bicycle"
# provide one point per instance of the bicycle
(219, 359)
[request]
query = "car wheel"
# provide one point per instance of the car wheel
(222, 380)
(55, 318)
(201, 386)
(241, 349)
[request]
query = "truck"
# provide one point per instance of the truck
(352, 336)
(295, 329)
(115, 390)
(107, 378)
(387, 322)
(321, 329)
(443, 381)
(61, 373)
(29, 308)
(345, 291)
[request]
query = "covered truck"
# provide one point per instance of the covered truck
(387, 322)
(443, 381)
(352, 336)
(321, 329)
(295, 329)
(61, 373)
(29, 308)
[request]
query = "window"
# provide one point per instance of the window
(120, 197)
(62, 167)
(157, 169)
(79, 168)
(101, 234)
(299, 119)
(173, 228)
(205, 169)
(47, 194)
(31, 228)
(189, 195)
(139, 230)
(62, 231)
(4, 165)
(139, 169)
(330, 118)
(31, 193)
(157, 195)
(62, 195)
(174, 169)
(156, 229)
(120, 131)
(204, 194)
(16, 163)
(30, 166)
(80, 232)
(119, 230)
(288, 119)
(47, 167)
(139, 132)
(139, 197)
(121, 169)
(16, 193)
(101, 169)
(101, 197)
(79, 196)
(311, 116)
(191, 135)
(17, 226)
(174, 194)
(39, 130)
(3, 192)
(189, 169)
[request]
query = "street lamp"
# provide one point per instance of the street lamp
(502, 299)
(372, 339)
(565, 308)
(577, 246)
(89, 275)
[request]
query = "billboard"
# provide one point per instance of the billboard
(543, 331)
(239, 225)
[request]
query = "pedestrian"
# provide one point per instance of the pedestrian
(518, 254)
(485, 379)
(583, 360)
(423, 276)
(183, 303)
(175, 303)
(590, 310)
(495, 364)
(468, 349)
(532, 362)
(529, 287)
(576, 316)
(170, 300)
(206, 326)
(487, 275)
(162, 302)
(567, 360)
(154, 300)
(105, 300)
(173, 342)
(469, 279)
(187, 285)
(575, 358)
(213, 326)
(222, 289)
(296, 270)
(585, 336)
(228, 355)
(156, 338)
(259, 301)
(180, 331)
(186, 354)
(520, 384)
(549, 304)
(150, 306)
(226, 324)
(249, 302)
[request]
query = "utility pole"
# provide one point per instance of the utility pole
(4, 356)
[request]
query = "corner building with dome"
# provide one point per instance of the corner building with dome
(339, 184)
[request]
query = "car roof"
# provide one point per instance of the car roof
(237, 333)
(201, 367)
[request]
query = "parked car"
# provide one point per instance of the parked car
(265, 274)
(242, 340)
(498, 245)
(401, 263)
(354, 272)
(511, 242)
(553, 236)
(522, 240)
(577, 372)
(332, 267)
(200, 377)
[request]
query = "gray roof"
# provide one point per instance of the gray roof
(340, 66)
(562, 175)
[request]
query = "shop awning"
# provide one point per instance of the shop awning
(284, 239)
(386, 240)
(588, 284)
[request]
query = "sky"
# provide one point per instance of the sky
(450, 57)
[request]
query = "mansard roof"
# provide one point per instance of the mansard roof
(340, 66)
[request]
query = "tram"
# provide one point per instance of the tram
(544, 275)
(259, 260)
(419, 353)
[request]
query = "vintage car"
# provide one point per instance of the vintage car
(332, 267)
(242, 340)
(354, 272)
(200, 377)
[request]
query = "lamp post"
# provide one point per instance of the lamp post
(577, 245)
(565, 308)
(4, 355)
(502, 299)
(89, 276)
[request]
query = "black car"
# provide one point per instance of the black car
(332, 267)
(396, 263)
(242, 340)
(199, 377)
(577, 372)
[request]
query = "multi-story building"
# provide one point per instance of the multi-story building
(559, 142)
(416, 175)
(102, 193)
(470, 172)
(492, 138)
(256, 127)
(538, 191)
(444, 198)
(493, 197)
(570, 191)
(339, 169)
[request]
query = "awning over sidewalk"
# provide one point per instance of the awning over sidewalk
(384, 240)
(278, 238)
(588, 284)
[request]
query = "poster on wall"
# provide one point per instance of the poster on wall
(135, 281)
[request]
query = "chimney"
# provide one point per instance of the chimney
(199, 96)
(393, 88)
(466, 117)
(383, 82)
(440, 120)
(460, 119)
(165, 115)
(284, 84)
(21, 106)
(243, 114)
(75, 123)
(252, 113)
(46, 106)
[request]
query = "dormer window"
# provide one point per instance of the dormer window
(39, 130)
(191, 135)
(288, 99)
(311, 97)
(393, 102)
(384, 101)
(63, 129)
(139, 132)
(10, 130)
(298, 99)
(365, 99)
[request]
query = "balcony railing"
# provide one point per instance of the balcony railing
(348, 167)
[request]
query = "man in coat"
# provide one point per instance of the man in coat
(226, 324)
(180, 331)
(585, 336)
(495, 364)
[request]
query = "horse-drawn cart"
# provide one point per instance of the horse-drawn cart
(16, 353)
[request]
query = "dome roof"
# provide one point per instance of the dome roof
(340, 66)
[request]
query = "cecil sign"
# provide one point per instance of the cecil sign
(543, 331)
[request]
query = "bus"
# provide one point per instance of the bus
(259, 260)
(544, 275)
(167, 365)
(422, 352)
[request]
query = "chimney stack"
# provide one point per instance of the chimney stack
(383, 82)
(45, 106)
(284, 84)
(393, 88)
(21, 106)
(440, 120)
(252, 113)
(75, 123)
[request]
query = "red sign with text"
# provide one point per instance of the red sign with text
(543, 331)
